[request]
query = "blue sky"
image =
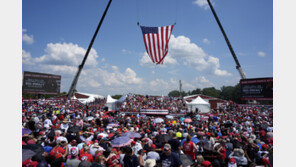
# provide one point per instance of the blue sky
(57, 33)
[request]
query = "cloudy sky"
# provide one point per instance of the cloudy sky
(57, 33)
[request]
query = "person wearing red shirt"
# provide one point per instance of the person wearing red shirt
(86, 156)
(189, 147)
(222, 152)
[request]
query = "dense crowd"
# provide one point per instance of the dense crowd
(134, 103)
(68, 133)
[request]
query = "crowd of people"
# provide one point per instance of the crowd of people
(68, 133)
(134, 103)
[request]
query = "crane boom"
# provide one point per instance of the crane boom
(238, 66)
(74, 82)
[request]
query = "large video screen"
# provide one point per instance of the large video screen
(40, 83)
(257, 89)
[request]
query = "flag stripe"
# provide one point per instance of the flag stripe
(150, 47)
(156, 41)
(144, 36)
(158, 47)
(153, 39)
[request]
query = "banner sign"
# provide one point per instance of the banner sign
(40, 83)
(154, 111)
(257, 89)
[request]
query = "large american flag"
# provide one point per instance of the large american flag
(156, 41)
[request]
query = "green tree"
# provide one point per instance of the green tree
(196, 91)
(116, 96)
(227, 93)
(237, 94)
(211, 91)
(174, 93)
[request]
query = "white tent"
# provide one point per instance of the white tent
(88, 97)
(200, 104)
(111, 103)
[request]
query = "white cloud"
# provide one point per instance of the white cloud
(63, 59)
(26, 58)
(118, 78)
(202, 82)
(146, 61)
(158, 85)
(94, 83)
(202, 3)
(206, 41)
(67, 54)
(261, 54)
(181, 48)
(29, 39)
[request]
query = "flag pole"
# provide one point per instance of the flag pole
(238, 66)
(74, 82)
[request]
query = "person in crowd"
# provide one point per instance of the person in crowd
(189, 147)
(169, 158)
(73, 161)
(175, 143)
(130, 159)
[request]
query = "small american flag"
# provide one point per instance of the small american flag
(156, 41)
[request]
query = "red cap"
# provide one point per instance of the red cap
(153, 146)
(41, 133)
(206, 164)
(73, 142)
(133, 142)
(264, 146)
(89, 143)
(31, 141)
(232, 161)
(208, 134)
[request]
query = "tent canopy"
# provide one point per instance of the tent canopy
(86, 97)
(199, 100)
(200, 104)
(111, 103)
(110, 99)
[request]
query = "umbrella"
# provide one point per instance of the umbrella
(89, 118)
(112, 125)
(132, 135)
(37, 148)
(158, 120)
(74, 129)
(186, 160)
(204, 118)
(169, 117)
(163, 138)
(110, 135)
(193, 139)
(201, 133)
(26, 131)
(103, 135)
(27, 154)
(121, 141)
(188, 120)
(182, 119)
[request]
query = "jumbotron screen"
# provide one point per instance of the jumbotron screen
(257, 89)
(40, 83)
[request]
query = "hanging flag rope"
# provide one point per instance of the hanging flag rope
(156, 40)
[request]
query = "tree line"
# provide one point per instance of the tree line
(225, 92)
